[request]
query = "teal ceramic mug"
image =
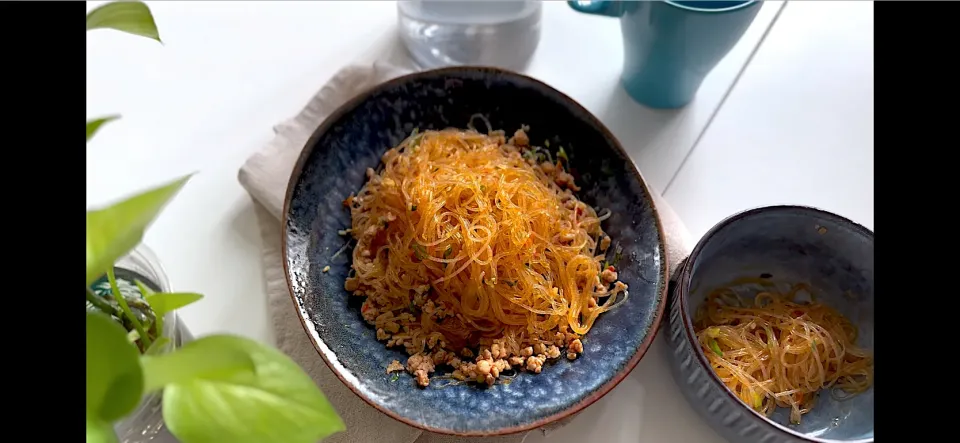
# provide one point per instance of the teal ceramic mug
(670, 46)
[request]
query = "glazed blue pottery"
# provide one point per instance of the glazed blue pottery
(332, 165)
(787, 244)
(669, 47)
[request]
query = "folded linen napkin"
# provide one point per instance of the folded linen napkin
(265, 175)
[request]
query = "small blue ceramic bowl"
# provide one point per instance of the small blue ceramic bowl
(354, 138)
(788, 244)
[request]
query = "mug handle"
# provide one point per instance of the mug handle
(598, 7)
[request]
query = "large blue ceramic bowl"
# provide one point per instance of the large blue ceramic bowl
(353, 139)
(787, 244)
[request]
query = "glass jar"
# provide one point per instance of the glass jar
(145, 424)
(496, 33)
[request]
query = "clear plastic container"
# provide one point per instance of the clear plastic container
(145, 424)
(497, 33)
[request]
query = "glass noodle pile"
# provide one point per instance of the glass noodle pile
(772, 350)
(473, 252)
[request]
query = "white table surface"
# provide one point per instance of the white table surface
(796, 128)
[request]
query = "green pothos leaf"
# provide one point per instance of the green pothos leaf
(275, 403)
(132, 17)
(198, 360)
(114, 376)
(164, 302)
(99, 431)
(115, 230)
(94, 125)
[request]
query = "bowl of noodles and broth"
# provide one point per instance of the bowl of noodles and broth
(472, 252)
(771, 327)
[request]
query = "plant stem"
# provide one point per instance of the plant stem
(99, 303)
(158, 319)
(145, 339)
(158, 325)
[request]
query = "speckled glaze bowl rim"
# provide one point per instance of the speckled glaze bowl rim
(684, 279)
(323, 349)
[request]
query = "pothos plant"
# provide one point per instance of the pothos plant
(218, 388)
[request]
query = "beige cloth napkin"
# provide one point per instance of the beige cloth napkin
(265, 175)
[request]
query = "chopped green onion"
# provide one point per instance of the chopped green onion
(563, 154)
(419, 251)
(395, 377)
(618, 253)
(546, 143)
(413, 208)
(416, 137)
(606, 170)
(448, 251)
(715, 347)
